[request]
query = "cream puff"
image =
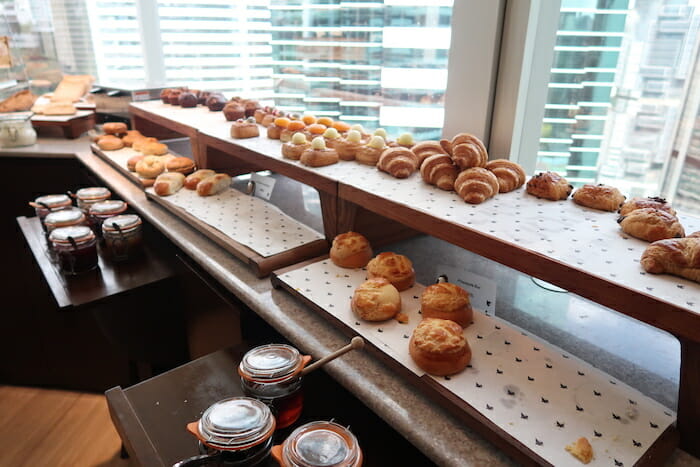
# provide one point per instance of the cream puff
(294, 148)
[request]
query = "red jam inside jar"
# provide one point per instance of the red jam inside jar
(122, 236)
(88, 196)
(76, 249)
(44, 205)
(103, 210)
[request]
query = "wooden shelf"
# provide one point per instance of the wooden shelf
(71, 125)
(109, 279)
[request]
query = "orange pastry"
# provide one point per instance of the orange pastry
(275, 130)
(295, 148)
(293, 127)
(315, 129)
(327, 121)
(342, 127)
(308, 119)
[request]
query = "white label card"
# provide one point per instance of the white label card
(263, 185)
(482, 291)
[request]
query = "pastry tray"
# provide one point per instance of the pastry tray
(118, 160)
(533, 396)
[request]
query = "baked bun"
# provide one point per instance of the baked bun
(168, 183)
(192, 180)
(114, 128)
(131, 136)
(476, 185)
(467, 151)
(549, 185)
(426, 149)
(376, 300)
(351, 250)
(110, 143)
(641, 203)
(438, 347)
(398, 162)
(439, 170)
(651, 225)
(241, 129)
(393, 267)
(234, 111)
(183, 165)
(188, 99)
(447, 301)
(213, 185)
(602, 197)
(131, 163)
(215, 102)
(677, 256)
(150, 167)
(154, 149)
(139, 143)
(510, 175)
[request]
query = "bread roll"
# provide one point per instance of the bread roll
(376, 300)
(213, 185)
(114, 128)
(651, 225)
(602, 197)
(110, 143)
(168, 183)
(467, 151)
(183, 165)
(393, 267)
(510, 175)
(139, 143)
(398, 162)
(350, 250)
(476, 185)
(154, 149)
(677, 256)
(131, 136)
(438, 347)
(426, 149)
(192, 180)
(447, 301)
(641, 203)
(549, 185)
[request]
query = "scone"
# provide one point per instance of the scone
(581, 450)
(641, 203)
(602, 197)
(351, 250)
(549, 185)
(651, 225)
(393, 267)
(447, 301)
(438, 347)
(376, 300)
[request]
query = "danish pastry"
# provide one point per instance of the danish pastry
(192, 180)
(347, 147)
(677, 256)
(426, 149)
(438, 347)
(510, 175)
(331, 137)
(370, 153)
(350, 250)
(296, 147)
(549, 185)
(476, 185)
(651, 225)
(376, 300)
(602, 197)
(295, 126)
(398, 162)
(318, 155)
(651, 202)
(467, 151)
(169, 183)
(247, 128)
(447, 301)
(393, 267)
(110, 143)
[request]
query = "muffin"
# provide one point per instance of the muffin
(351, 250)
(393, 267)
(376, 300)
(438, 347)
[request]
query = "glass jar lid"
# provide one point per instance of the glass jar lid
(112, 206)
(53, 201)
(96, 192)
(236, 423)
(123, 223)
(270, 363)
(64, 217)
(79, 234)
(322, 444)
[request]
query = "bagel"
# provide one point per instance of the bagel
(114, 128)
(150, 167)
(184, 165)
(154, 149)
(131, 163)
(110, 143)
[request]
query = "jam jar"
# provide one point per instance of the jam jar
(75, 247)
(233, 432)
(89, 196)
(122, 236)
(319, 444)
(102, 210)
(16, 130)
(272, 374)
(43, 205)
(64, 218)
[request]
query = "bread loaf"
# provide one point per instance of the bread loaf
(213, 185)
(399, 162)
(476, 185)
(439, 170)
(510, 175)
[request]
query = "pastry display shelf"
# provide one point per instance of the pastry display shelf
(529, 397)
(118, 159)
(71, 125)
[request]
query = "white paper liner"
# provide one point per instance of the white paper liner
(509, 379)
(61, 118)
(248, 220)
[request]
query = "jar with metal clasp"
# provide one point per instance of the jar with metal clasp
(89, 196)
(64, 218)
(123, 237)
(76, 248)
(43, 205)
(319, 444)
(102, 210)
(16, 130)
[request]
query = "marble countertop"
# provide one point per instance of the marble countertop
(432, 429)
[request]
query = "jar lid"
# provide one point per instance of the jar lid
(236, 423)
(64, 217)
(124, 222)
(96, 192)
(272, 362)
(322, 444)
(53, 201)
(79, 234)
(111, 206)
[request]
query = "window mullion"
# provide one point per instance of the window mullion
(151, 42)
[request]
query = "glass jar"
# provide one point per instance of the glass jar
(88, 196)
(16, 130)
(76, 248)
(272, 374)
(102, 210)
(238, 431)
(43, 205)
(319, 444)
(122, 236)
(64, 218)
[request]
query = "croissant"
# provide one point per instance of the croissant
(426, 149)
(439, 170)
(651, 224)
(399, 162)
(476, 185)
(549, 185)
(468, 151)
(651, 202)
(677, 256)
(603, 197)
(510, 175)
